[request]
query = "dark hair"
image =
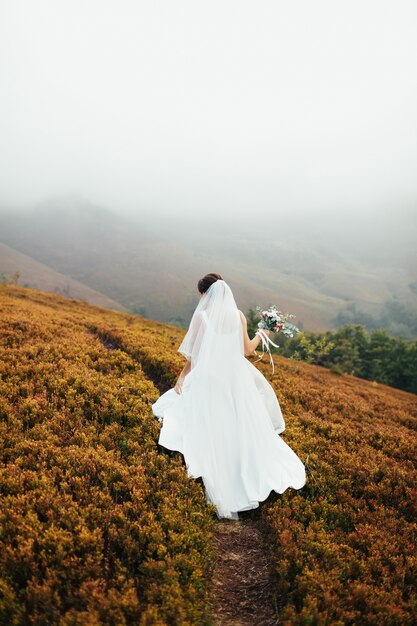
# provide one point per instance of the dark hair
(207, 280)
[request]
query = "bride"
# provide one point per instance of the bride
(222, 414)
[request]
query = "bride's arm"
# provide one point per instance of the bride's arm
(186, 348)
(183, 374)
(249, 345)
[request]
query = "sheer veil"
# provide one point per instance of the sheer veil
(215, 332)
(226, 419)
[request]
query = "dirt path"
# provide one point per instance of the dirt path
(242, 581)
(243, 589)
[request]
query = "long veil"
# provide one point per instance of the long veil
(226, 420)
(214, 334)
(213, 396)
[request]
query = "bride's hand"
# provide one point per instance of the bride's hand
(266, 331)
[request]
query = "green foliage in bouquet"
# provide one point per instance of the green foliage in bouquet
(274, 320)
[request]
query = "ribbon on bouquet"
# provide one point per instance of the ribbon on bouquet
(266, 342)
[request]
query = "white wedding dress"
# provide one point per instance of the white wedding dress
(227, 420)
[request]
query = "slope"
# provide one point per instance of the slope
(100, 525)
(39, 276)
(96, 526)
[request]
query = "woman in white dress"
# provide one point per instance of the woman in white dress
(222, 414)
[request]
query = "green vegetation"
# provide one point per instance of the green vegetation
(96, 525)
(9, 279)
(99, 526)
(352, 350)
(344, 545)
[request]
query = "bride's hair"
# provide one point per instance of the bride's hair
(207, 280)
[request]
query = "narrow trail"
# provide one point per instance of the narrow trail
(243, 575)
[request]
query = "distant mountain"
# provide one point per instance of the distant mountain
(126, 261)
(318, 271)
(39, 276)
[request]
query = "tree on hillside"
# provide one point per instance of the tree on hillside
(378, 357)
(309, 347)
(410, 368)
(10, 279)
(352, 350)
(398, 366)
(350, 346)
(253, 319)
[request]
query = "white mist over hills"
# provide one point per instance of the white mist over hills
(274, 143)
(325, 272)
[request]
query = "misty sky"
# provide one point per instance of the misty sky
(178, 105)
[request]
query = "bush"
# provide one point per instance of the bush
(97, 526)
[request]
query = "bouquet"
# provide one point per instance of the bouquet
(274, 320)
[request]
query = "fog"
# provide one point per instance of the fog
(171, 107)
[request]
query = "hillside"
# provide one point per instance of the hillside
(151, 264)
(99, 526)
(39, 276)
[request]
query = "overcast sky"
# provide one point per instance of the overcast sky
(178, 105)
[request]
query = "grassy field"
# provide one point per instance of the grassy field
(98, 526)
